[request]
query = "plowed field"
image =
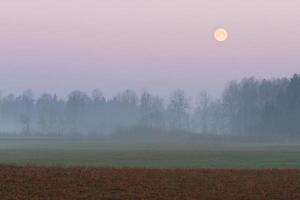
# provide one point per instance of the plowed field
(72, 183)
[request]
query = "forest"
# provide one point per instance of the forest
(250, 106)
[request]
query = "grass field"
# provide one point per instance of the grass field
(147, 153)
(80, 183)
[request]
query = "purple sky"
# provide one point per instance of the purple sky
(158, 45)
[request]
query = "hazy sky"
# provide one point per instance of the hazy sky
(158, 45)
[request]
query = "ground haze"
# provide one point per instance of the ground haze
(150, 153)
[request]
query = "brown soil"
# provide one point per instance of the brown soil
(73, 183)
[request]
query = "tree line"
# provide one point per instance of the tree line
(247, 107)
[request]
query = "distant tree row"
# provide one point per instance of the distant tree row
(247, 107)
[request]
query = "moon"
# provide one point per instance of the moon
(221, 35)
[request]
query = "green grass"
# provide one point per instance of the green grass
(152, 154)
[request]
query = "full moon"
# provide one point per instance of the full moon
(221, 35)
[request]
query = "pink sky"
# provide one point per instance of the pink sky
(158, 45)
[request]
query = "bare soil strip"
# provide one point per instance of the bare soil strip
(91, 183)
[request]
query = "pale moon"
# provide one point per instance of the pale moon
(221, 35)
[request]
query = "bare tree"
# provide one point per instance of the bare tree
(178, 106)
(202, 110)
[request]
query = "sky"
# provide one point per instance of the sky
(158, 45)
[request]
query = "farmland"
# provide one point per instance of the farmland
(105, 168)
(147, 153)
(74, 183)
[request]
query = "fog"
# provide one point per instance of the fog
(249, 107)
